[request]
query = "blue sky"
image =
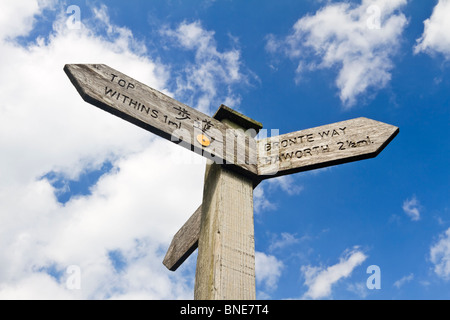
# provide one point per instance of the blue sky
(89, 203)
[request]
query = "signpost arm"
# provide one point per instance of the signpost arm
(184, 242)
(135, 102)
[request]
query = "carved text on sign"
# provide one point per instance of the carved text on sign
(336, 143)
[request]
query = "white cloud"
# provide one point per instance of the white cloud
(320, 280)
(399, 283)
(286, 184)
(436, 37)
(268, 270)
(212, 73)
(121, 37)
(17, 17)
(260, 201)
(358, 40)
(359, 288)
(411, 208)
(45, 127)
(285, 239)
(440, 256)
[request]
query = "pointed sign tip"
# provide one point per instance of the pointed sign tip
(74, 77)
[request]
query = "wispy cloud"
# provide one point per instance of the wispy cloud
(286, 184)
(359, 40)
(260, 201)
(359, 289)
(285, 239)
(212, 74)
(321, 279)
(411, 208)
(399, 283)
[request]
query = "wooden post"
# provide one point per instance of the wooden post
(226, 246)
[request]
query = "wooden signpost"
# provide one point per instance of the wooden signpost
(222, 227)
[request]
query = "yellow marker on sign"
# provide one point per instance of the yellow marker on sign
(203, 140)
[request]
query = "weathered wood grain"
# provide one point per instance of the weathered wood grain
(226, 245)
(127, 98)
(226, 248)
(323, 146)
(184, 242)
